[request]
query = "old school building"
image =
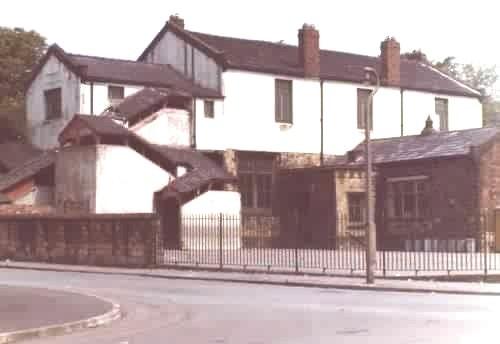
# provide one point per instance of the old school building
(209, 123)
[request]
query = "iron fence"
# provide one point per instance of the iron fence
(258, 242)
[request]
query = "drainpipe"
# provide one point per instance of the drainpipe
(402, 111)
(193, 114)
(92, 98)
(321, 155)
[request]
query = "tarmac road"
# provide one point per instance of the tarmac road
(180, 311)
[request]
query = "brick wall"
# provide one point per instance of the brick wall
(452, 199)
(114, 240)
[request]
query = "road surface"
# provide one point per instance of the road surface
(179, 311)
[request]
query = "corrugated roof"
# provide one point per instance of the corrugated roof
(417, 147)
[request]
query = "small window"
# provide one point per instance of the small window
(256, 182)
(408, 199)
(115, 93)
(364, 107)
(283, 101)
(209, 108)
(441, 106)
(356, 208)
(53, 104)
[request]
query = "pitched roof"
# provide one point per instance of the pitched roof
(140, 102)
(101, 69)
(4, 199)
(201, 170)
(13, 154)
(278, 58)
(27, 170)
(417, 147)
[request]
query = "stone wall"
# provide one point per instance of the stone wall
(114, 240)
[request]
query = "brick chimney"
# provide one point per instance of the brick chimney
(309, 51)
(175, 19)
(391, 61)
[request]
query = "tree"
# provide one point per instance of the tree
(20, 50)
(416, 55)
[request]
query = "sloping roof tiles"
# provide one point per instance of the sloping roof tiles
(27, 170)
(418, 147)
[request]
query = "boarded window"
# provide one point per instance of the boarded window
(283, 101)
(408, 199)
(256, 182)
(115, 93)
(441, 106)
(53, 103)
(209, 108)
(364, 108)
(356, 205)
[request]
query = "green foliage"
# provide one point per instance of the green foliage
(20, 50)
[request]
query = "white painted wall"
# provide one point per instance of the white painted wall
(245, 120)
(42, 132)
(166, 127)
(101, 101)
(213, 203)
(126, 181)
(463, 112)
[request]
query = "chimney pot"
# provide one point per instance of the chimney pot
(390, 53)
(176, 20)
(309, 53)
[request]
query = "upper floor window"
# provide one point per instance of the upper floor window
(441, 107)
(364, 108)
(408, 199)
(53, 103)
(115, 93)
(208, 106)
(283, 101)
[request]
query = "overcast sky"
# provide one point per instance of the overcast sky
(465, 29)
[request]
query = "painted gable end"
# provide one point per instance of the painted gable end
(54, 74)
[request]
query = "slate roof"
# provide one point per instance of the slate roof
(140, 102)
(418, 147)
(201, 170)
(101, 69)
(27, 170)
(13, 154)
(4, 199)
(278, 58)
(261, 56)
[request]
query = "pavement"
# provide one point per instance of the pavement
(319, 281)
(159, 310)
(27, 312)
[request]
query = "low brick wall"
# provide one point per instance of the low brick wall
(111, 239)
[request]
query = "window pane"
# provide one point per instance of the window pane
(115, 92)
(53, 103)
(356, 207)
(209, 108)
(441, 108)
(246, 190)
(364, 107)
(283, 101)
(264, 183)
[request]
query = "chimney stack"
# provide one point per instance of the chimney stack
(309, 58)
(178, 21)
(391, 61)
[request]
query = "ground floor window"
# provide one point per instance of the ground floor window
(408, 199)
(256, 181)
(356, 202)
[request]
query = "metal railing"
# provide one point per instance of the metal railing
(260, 242)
